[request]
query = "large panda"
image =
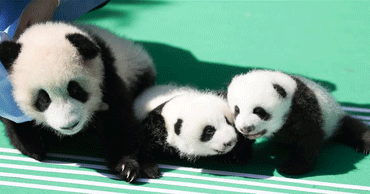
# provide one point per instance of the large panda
(61, 74)
(189, 123)
(293, 110)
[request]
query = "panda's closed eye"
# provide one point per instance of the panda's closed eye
(227, 121)
(236, 111)
(208, 133)
(77, 92)
(259, 111)
(42, 101)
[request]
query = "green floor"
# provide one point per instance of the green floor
(205, 43)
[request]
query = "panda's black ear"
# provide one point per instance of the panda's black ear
(84, 45)
(280, 90)
(9, 51)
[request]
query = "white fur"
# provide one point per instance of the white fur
(197, 109)
(255, 88)
(49, 61)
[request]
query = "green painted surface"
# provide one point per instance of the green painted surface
(204, 44)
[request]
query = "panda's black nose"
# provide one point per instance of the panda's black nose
(230, 143)
(248, 129)
(71, 126)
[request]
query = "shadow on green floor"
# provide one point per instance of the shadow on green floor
(180, 66)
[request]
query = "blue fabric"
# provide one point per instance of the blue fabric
(10, 11)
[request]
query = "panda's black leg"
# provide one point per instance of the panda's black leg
(150, 128)
(149, 170)
(148, 165)
(120, 144)
(304, 155)
(354, 133)
(26, 138)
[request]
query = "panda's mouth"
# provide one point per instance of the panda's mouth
(70, 127)
(220, 152)
(256, 135)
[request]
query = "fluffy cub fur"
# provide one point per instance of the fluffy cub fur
(61, 74)
(188, 123)
(293, 110)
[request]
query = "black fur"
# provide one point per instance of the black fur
(260, 112)
(121, 134)
(280, 90)
(155, 135)
(26, 138)
(177, 126)
(302, 129)
(240, 154)
(9, 51)
(208, 133)
(77, 92)
(236, 111)
(144, 80)
(43, 101)
(159, 108)
(87, 49)
(354, 133)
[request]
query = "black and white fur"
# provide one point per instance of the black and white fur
(186, 122)
(62, 73)
(293, 110)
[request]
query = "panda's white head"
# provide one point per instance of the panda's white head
(260, 101)
(199, 125)
(56, 72)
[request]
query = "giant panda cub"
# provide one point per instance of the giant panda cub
(189, 123)
(293, 110)
(61, 74)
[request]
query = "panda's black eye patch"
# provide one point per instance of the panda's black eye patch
(42, 101)
(77, 92)
(178, 125)
(259, 111)
(280, 90)
(236, 111)
(208, 133)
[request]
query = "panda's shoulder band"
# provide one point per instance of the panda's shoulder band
(159, 108)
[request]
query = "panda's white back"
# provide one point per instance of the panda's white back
(331, 110)
(152, 97)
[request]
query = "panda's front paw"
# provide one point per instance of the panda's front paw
(364, 145)
(128, 169)
(150, 170)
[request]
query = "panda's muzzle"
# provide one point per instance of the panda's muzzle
(71, 126)
(227, 147)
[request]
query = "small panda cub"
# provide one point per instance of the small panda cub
(185, 121)
(293, 110)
